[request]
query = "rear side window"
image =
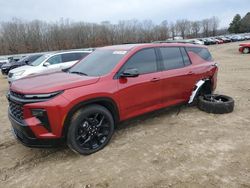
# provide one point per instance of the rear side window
(80, 55)
(202, 52)
(144, 61)
(73, 56)
(186, 59)
(171, 58)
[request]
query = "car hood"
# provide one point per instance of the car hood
(52, 82)
(25, 67)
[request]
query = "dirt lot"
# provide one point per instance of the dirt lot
(164, 149)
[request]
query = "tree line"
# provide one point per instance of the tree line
(18, 36)
(240, 25)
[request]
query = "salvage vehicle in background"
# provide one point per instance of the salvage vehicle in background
(245, 48)
(14, 64)
(50, 62)
(82, 105)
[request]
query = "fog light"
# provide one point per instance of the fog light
(37, 112)
(42, 116)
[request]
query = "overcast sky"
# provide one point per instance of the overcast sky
(115, 10)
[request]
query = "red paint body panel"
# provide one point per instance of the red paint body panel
(132, 96)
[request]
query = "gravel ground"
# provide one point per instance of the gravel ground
(176, 147)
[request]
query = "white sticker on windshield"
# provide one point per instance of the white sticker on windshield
(120, 52)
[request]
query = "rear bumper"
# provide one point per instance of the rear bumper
(25, 135)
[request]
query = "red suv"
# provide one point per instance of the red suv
(83, 104)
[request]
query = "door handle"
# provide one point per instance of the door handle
(155, 80)
(190, 73)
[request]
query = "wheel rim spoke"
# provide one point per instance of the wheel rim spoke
(93, 132)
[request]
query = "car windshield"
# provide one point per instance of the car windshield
(98, 63)
(39, 60)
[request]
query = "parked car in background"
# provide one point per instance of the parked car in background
(3, 60)
(14, 64)
(236, 38)
(245, 48)
(50, 62)
(83, 104)
(247, 37)
(217, 41)
(224, 39)
(195, 41)
(15, 58)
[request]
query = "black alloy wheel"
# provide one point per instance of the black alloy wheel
(91, 129)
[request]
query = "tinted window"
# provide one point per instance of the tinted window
(99, 62)
(80, 55)
(73, 56)
(172, 58)
(68, 57)
(144, 61)
(202, 52)
(55, 59)
(186, 59)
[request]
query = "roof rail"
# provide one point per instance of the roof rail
(171, 41)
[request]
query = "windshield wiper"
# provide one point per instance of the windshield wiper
(78, 72)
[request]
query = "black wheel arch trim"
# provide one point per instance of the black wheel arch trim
(107, 102)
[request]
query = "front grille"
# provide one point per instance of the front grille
(16, 110)
(10, 75)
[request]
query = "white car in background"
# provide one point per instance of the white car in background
(50, 62)
(195, 41)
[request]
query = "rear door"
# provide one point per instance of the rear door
(140, 94)
(177, 76)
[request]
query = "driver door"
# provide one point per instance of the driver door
(143, 93)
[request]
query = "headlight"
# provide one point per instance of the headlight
(42, 96)
(19, 73)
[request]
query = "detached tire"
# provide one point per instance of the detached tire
(90, 130)
(246, 50)
(216, 104)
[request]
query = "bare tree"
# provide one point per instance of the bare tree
(18, 36)
(183, 27)
(195, 28)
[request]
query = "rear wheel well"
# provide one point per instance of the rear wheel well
(105, 102)
(206, 88)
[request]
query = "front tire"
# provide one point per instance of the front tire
(90, 130)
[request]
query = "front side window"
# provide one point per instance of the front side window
(56, 59)
(144, 61)
(39, 60)
(171, 58)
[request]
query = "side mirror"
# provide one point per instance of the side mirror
(26, 62)
(46, 64)
(130, 73)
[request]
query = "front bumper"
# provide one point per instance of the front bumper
(25, 135)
